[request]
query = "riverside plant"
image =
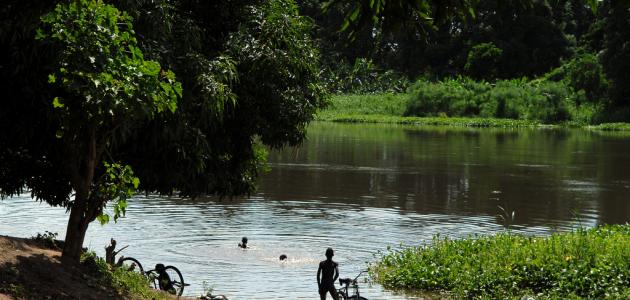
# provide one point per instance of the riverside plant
(589, 263)
(121, 281)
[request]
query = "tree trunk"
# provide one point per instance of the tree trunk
(75, 233)
(83, 211)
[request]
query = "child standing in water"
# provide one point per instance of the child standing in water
(329, 274)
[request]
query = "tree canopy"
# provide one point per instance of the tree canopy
(106, 99)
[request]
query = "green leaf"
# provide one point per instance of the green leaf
(52, 78)
(57, 103)
(593, 4)
(39, 34)
(136, 182)
(103, 219)
(150, 68)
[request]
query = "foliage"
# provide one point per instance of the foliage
(121, 281)
(616, 52)
(102, 68)
(613, 127)
(49, 239)
(584, 74)
(380, 104)
(584, 263)
(249, 77)
(393, 14)
(432, 121)
(117, 184)
(279, 86)
(437, 37)
(514, 99)
(363, 78)
(483, 60)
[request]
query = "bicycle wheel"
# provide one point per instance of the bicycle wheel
(131, 264)
(342, 294)
(176, 279)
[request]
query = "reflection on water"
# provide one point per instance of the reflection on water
(359, 189)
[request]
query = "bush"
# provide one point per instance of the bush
(513, 99)
(483, 60)
(591, 263)
(584, 74)
(461, 97)
(363, 77)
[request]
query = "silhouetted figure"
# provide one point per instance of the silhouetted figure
(329, 273)
(164, 280)
(283, 257)
(243, 243)
(110, 254)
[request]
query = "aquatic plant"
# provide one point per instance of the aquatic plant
(590, 263)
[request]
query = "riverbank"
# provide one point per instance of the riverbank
(389, 108)
(31, 269)
(593, 263)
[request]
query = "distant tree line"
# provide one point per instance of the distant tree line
(486, 40)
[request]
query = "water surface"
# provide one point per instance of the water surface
(359, 189)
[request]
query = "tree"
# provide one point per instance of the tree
(105, 89)
(248, 74)
(616, 53)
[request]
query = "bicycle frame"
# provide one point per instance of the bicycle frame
(347, 283)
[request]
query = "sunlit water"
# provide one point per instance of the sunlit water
(360, 189)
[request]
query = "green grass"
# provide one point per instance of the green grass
(380, 104)
(612, 127)
(437, 121)
(389, 108)
(591, 263)
(123, 282)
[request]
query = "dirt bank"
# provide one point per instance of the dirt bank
(30, 269)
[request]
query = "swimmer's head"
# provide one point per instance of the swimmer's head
(283, 257)
(244, 240)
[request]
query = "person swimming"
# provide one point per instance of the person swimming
(243, 243)
(283, 257)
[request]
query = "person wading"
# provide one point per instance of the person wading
(329, 273)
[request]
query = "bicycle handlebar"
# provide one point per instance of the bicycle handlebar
(348, 281)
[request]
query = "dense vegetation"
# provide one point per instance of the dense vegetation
(573, 48)
(104, 99)
(590, 263)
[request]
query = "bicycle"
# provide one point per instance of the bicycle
(174, 280)
(352, 283)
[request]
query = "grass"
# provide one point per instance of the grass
(122, 281)
(437, 121)
(389, 108)
(612, 127)
(380, 104)
(592, 263)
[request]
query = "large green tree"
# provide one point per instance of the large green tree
(88, 120)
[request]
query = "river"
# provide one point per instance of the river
(361, 188)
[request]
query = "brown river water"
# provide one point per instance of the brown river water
(361, 188)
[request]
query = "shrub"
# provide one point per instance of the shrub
(513, 99)
(585, 73)
(363, 77)
(590, 263)
(483, 60)
(548, 103)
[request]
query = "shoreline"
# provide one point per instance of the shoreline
(31, 268)
(388, 108)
